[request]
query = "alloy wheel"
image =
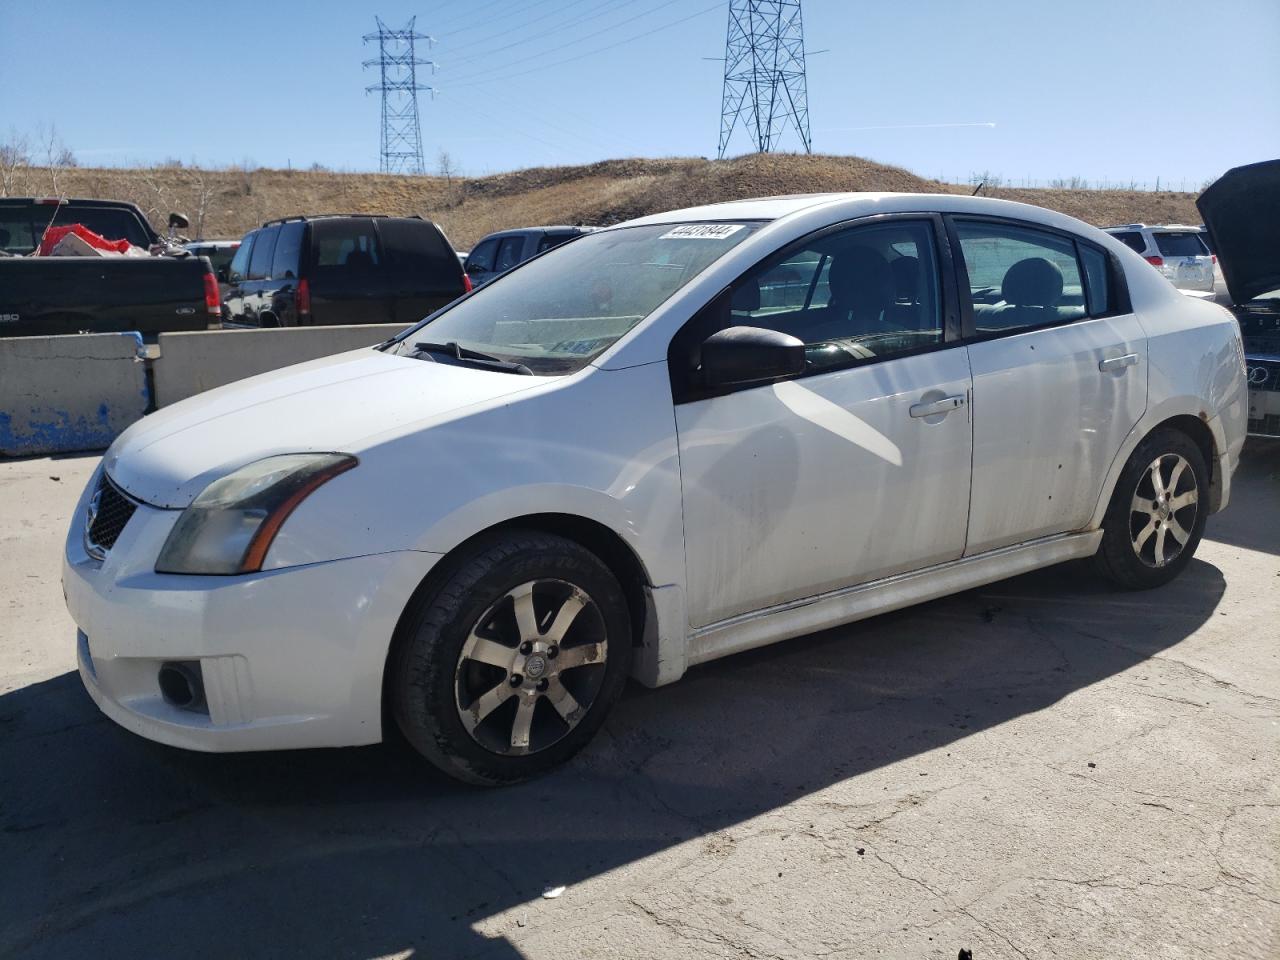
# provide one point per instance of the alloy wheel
(1163, 512)
(531, 667)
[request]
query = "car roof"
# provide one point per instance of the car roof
(862, 204)
(515, 231)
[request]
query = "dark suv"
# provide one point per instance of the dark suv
(329, 269)
(499, 252)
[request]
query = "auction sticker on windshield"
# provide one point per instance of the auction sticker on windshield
(702, 231)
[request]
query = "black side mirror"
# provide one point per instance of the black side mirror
(222, 274)
(750, 355)
(178, 222)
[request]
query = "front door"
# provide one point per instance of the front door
(856, 469)
(1059, 378)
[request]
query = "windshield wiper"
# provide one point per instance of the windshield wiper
(455, 351)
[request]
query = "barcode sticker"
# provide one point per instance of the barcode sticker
(702, 231)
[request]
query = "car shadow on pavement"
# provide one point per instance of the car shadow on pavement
(112, 845)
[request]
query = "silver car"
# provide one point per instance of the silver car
(1178, 252)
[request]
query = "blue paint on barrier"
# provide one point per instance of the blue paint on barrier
(56, 431)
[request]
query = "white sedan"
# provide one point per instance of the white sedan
(661, 443)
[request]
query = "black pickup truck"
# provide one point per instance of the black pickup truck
(55, 295)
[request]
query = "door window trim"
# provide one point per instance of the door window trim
(686, 389)
(1120, 304)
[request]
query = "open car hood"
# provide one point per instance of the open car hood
(1239, 210)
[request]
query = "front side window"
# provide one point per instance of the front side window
(1019, 277)
(558, 312)
(480, 260)
(509, 253)
(861, 294)
(239, 268)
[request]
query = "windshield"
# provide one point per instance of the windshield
(556, 313)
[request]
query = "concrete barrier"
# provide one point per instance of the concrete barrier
(190, 363)
(69, 393)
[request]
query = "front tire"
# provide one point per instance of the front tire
(510, 665)
(1157, 512)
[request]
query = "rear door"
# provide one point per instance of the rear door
(422, 268)
(1059, 376)
(347, 273)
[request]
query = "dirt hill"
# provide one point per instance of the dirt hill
(227, 203)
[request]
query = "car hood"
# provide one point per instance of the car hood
(1246, 237)
(335, 404)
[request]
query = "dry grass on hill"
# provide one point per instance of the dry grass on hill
(227, 203)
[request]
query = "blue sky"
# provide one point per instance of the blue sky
(1118, 90)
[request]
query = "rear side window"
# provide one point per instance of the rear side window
(347, 243)
(284, 264)
(417, 252)
(112, 224)
(239, 269)
(263, 249)
(1132, 239)
(1020, 277)
(1097, 281)
(480, 260)
(1185, 244)
(509, 252)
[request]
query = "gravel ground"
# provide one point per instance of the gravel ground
(1041, 768)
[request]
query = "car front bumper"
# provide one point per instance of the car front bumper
(289, 658)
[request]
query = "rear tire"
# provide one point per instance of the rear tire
(1157, 512)
(509, 666)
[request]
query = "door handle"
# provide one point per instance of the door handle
(1118, 363)
(933, 408)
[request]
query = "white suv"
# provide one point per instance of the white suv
(1178, 252)
(662, 443)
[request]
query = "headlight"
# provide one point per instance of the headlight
(229, 527)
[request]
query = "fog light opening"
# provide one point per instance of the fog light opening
(182, 685)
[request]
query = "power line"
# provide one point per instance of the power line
(518, 27)
(480, 79)
(765, 85)
(398, 63)
(593, 13)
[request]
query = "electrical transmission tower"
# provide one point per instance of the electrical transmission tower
(398, 82)
(764, 79)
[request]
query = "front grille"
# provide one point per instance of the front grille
(109, 511)
(1262, 374)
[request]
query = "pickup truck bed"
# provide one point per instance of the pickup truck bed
(41, 296)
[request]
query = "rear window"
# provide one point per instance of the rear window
(25, 225)
(1132, 239)
(417, 253)
(1181, 245)
(263, 249)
